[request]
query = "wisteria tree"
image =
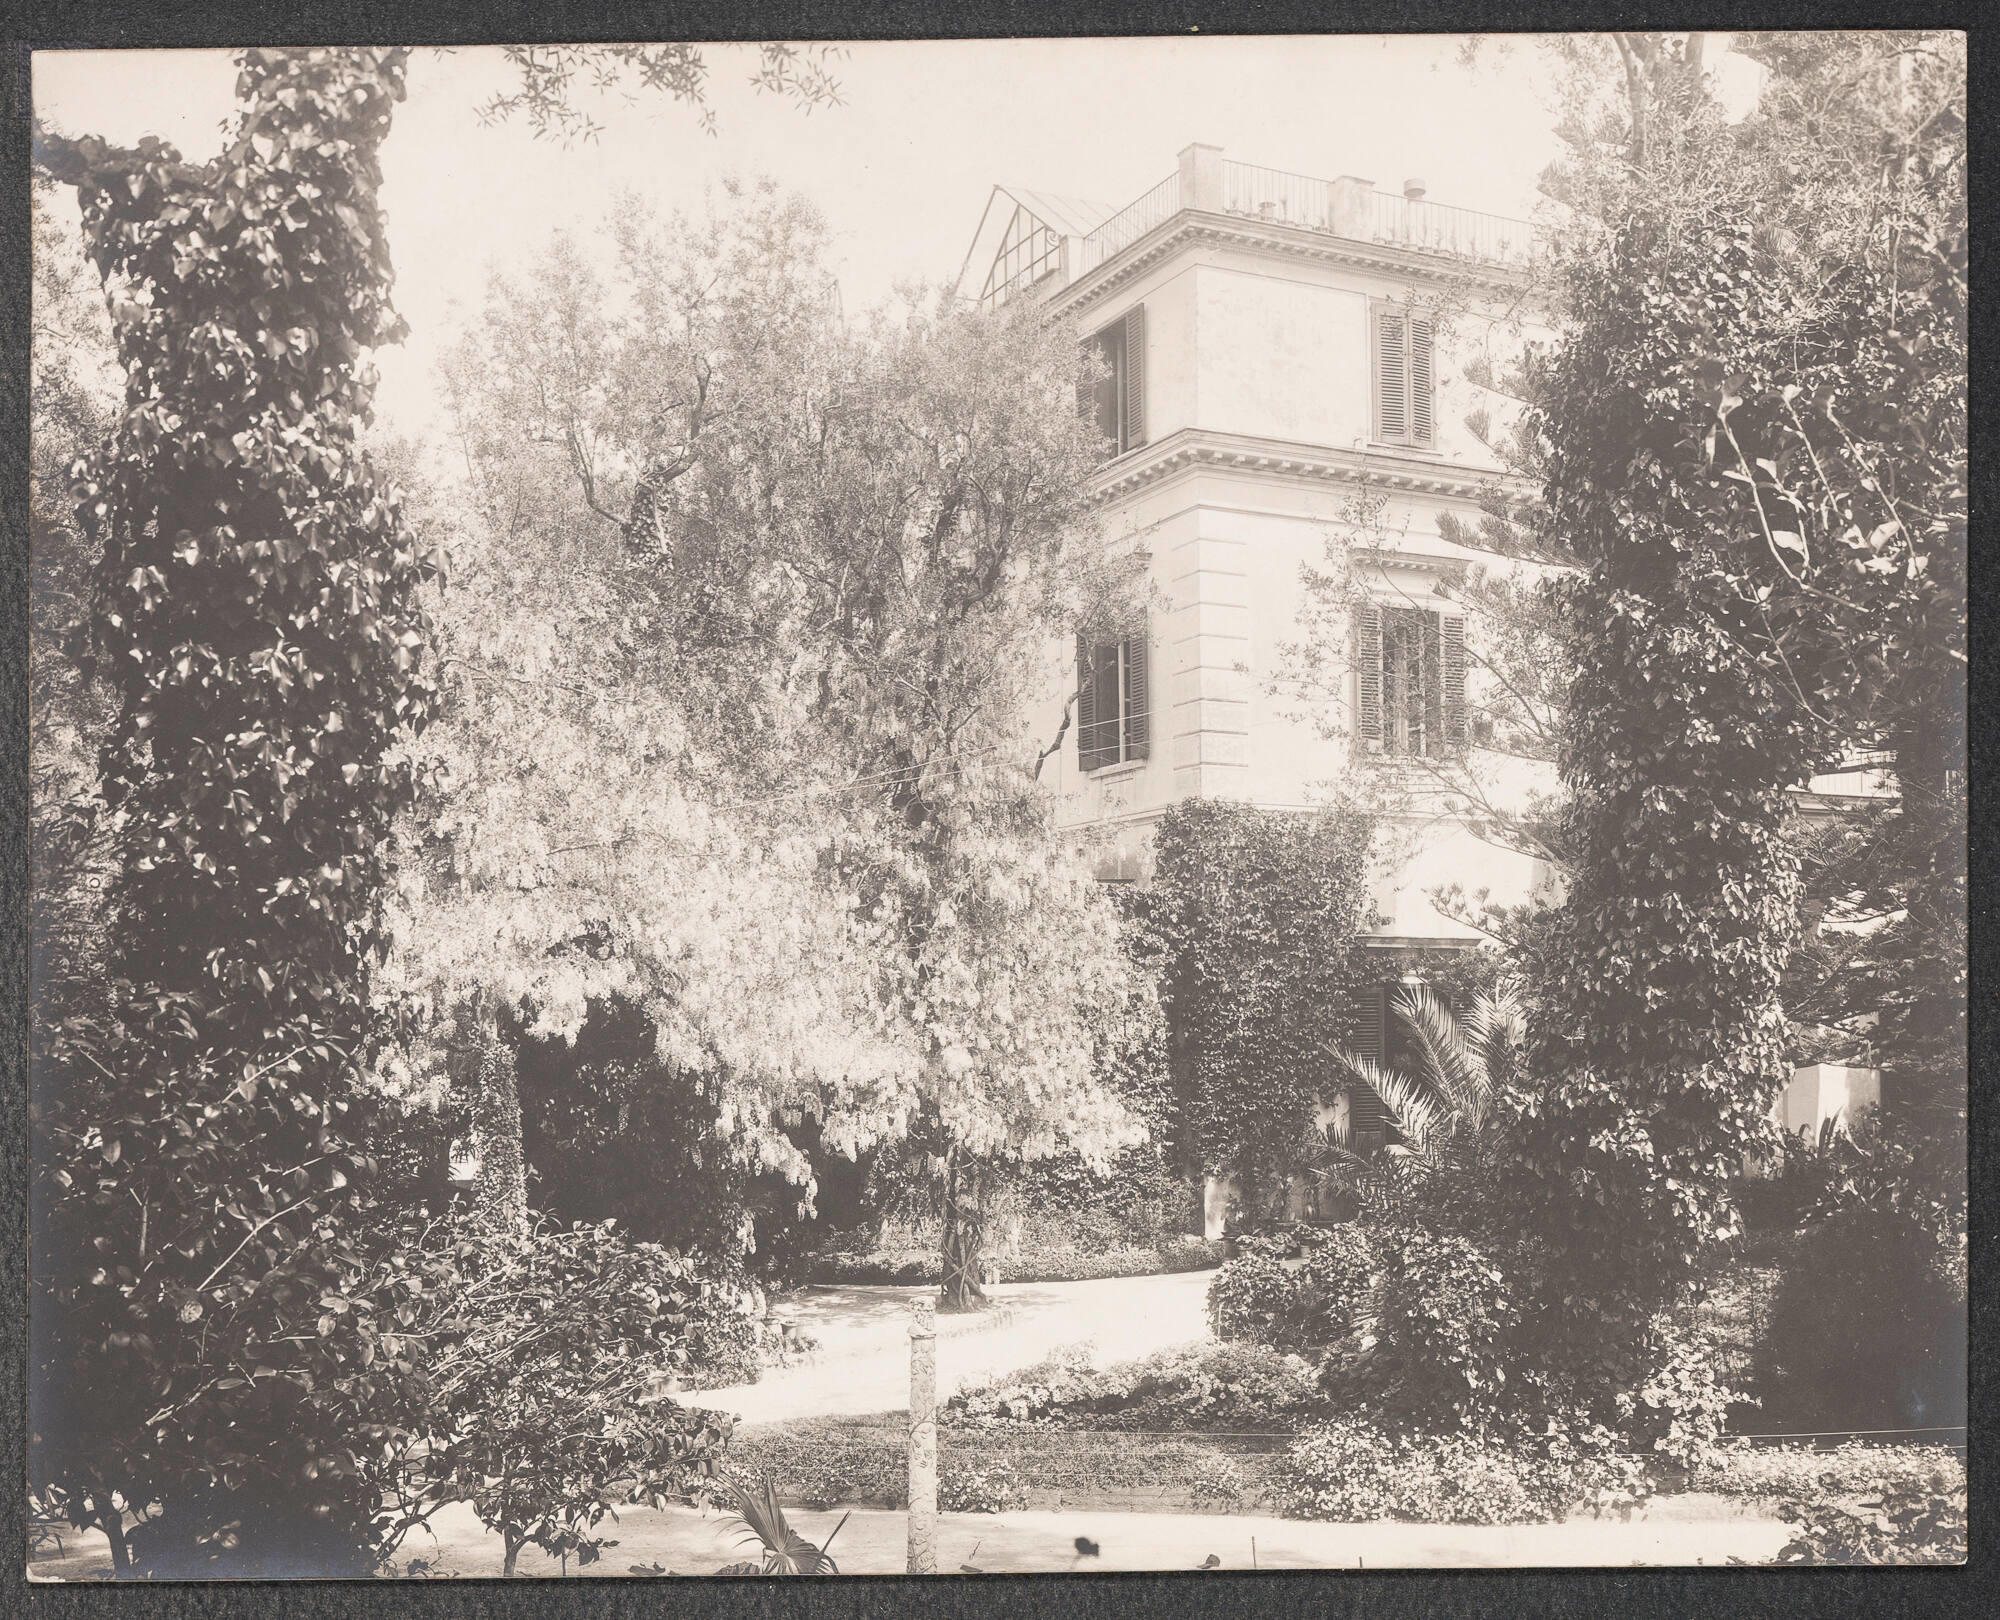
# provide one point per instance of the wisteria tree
(842, 560)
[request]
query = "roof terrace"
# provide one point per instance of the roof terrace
(1048, 242)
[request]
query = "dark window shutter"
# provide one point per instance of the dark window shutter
(1138, 698)
(1367, 1119)
(1431, 674)
(1135, 378)
(1392, 419)
(1366, 1041)
(1454, 682)
(1422, 382)
(1087, 745)
(1368, 678)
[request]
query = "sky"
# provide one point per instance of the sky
(901, 169)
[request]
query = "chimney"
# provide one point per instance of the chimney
(1414, 190)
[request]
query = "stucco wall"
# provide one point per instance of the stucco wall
(1281, 358)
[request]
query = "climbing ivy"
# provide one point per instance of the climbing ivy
(213, 1336)
(1254, 915)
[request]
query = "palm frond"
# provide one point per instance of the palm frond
(1414, 1108)
(1446, 1061)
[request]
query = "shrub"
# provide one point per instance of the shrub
(986, 1486)
(1680, 1409)
(1868, 1330)
(1216, 1482)
(558, 1387)
(1799, 1473)
(1353, 1471)
(1904, 1525)
(1186, 1386)
(1297, 1290)
(1445, 1314)
(1250, 1296)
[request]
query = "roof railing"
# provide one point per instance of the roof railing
(1130, 223)
(1344, 208)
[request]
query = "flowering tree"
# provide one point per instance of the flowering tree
(841, 560)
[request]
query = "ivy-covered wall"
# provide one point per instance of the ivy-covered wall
(1255, 915)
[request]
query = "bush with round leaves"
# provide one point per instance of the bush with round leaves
(1357, 1470)
(1446, 1321)
(1295, 1290)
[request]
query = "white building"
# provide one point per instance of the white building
(1279, 349)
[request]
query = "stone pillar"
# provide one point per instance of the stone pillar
(1350, 207)
(923, 1437)
(1201, 178)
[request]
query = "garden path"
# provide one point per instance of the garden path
(863, 1363)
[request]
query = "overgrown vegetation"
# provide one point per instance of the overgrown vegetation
(1252, 916)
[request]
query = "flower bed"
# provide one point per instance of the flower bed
(863, 1462)
(1352, 1471)
(1044, 1262)
(1238, 1387)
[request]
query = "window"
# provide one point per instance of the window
(1409, 669)
(1115, 396)
(1405, 380)
(1111, 702)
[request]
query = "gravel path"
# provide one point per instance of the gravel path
(863, 1364)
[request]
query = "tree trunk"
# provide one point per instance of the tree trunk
(513, 1554)
(500, 1198)
(964, 1232)
(113, 1521)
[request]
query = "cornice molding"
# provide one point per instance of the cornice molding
(1192, 449)
(1191, 227)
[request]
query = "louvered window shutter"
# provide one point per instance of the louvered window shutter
(1431, 674)
(1368, 678)
(1367, 1119)
(1392, 417)
(1366, 1041)
(1454, 682)
(1135, 378)
(1422, 381)
(1138, 698)
(1087, 741)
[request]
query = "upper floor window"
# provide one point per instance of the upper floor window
(1404, 374)
(1115, 396)
(1112, 702)
(1409, 670)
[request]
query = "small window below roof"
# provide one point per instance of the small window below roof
(1029, 251)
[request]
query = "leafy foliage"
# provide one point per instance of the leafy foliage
(571, 1338)
(1192, 1386)
(546, 93)
(798, 582)
(1299, 1290)
(1868, 1330)
(1925, 1525)
(986, 1486)
(200, 1210)
(786, 1552)
(1353, 1471)
(1439, 1097)
(1855, 1470)
(1254, 914)
(1752, 434)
